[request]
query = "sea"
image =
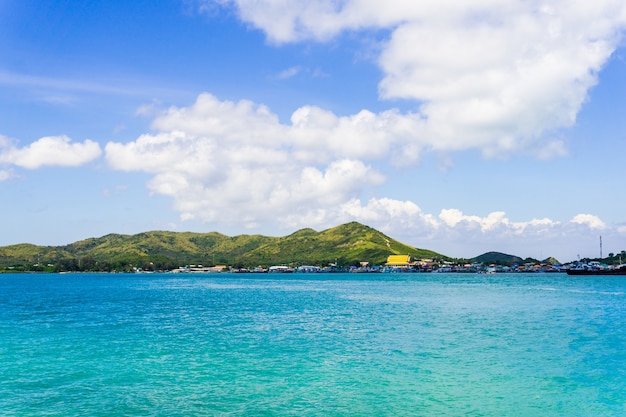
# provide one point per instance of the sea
(312, 345)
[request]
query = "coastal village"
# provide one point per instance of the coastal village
(394, 264)
(348, 248)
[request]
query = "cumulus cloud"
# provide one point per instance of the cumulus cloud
(49, 151)
(492, 74)
(236, 163)
(590, 220)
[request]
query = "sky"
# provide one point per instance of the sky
(459, 127)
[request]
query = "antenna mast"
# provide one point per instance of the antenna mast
(600, 247)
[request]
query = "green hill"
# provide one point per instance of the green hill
(347, 244)
(497, 258)
(551, 260)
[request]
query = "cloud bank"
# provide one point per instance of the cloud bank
(234, 163)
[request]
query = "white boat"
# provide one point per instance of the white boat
(280, 269)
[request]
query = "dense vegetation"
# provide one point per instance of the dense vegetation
(347, 244)
(498, 258)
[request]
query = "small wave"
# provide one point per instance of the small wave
(580, 291)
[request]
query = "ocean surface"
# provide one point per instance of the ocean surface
(312, 345)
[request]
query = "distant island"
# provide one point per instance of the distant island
(348, 246)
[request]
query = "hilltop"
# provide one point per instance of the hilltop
(497, 258)
(500, 258)
(347, 244)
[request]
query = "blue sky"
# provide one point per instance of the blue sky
(496, 125)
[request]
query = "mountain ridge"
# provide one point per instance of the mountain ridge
(501, 258)
(347, 244)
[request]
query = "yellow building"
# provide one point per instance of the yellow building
(399, 261)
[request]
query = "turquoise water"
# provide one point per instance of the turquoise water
(312, 345)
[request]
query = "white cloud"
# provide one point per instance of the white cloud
(234, 162)
(494, 223)
(490, 74)
(395, 217)
(49, 151)
(589, 220)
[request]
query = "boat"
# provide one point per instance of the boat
(280, 269)
(594, 268)
(309, 269)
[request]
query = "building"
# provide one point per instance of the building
(400, 262)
